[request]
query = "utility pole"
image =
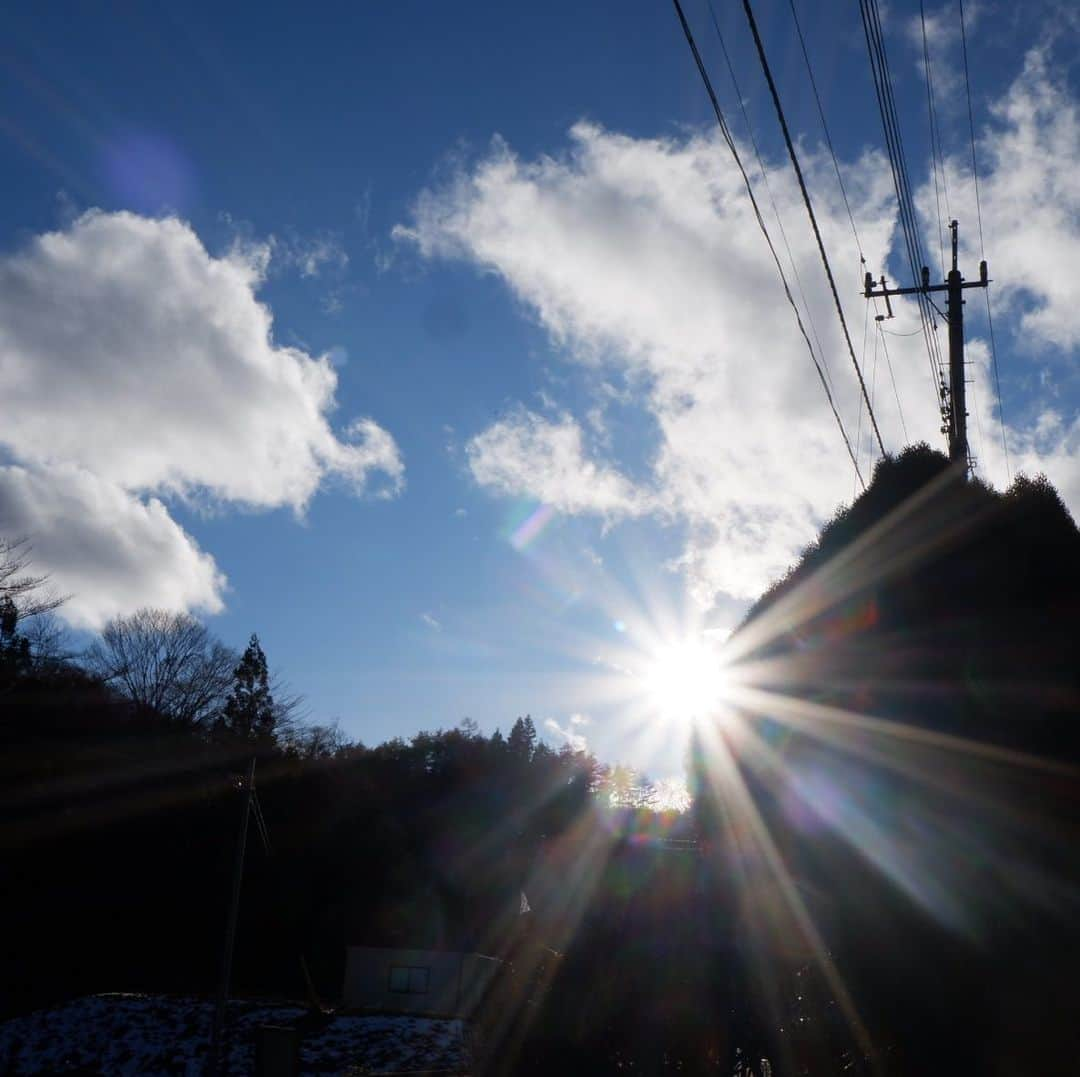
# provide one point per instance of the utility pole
(247, 787)
(954, 400)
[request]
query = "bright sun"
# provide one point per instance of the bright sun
(686, 680)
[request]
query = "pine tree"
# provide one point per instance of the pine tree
(249, 711)
(522, 739)
(14, 647)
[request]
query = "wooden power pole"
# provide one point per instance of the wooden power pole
(955, 409)
(217, 1033)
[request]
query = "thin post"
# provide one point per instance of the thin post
(958, 441)
(955, 410)
(218, 1029)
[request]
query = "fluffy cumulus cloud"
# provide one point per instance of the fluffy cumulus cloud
(640, 256)
(109, 551)
(1031, 201)
(526, 454)
(1030, 197)
(134, 363)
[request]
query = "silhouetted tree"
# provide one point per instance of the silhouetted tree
(522, 740)
(14, 646)
(27, 591)
(249, 712)
(166, 663)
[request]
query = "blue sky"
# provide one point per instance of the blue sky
(508, 238)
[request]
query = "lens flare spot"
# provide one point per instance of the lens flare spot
(686, 680)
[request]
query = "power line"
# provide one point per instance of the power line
(971, 126)
(879, 69)
(930, 112)
(725, 131)
(982, 251)
(873, 394)
(825, 128)
(997, 386)
(768, 189)
(892, 378)
(813, 218)
(858, 424)
(847, 206)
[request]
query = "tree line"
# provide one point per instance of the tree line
(906, 782)
(118, 801)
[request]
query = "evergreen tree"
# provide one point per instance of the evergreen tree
(14, 646)
(249, 712)
(522, 739)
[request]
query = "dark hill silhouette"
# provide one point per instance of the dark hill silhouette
(908, 735)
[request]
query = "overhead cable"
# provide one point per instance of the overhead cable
(879, 69)
(843, 193)
(892, 378)
(813, 218)
(934, 142)
(768, 190)
(725, 131)
(982, 252)
(825, 128)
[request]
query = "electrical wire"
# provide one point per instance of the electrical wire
(892, 377)
(982, 249)
(882, 79)
(768, 189)
(264, 836)
(825, 128)
(866, 325)
(726, 132)
(813, 218)
(930, 113)
(971, 126)
(997, 384)
(843, 193)
(873, 393)
(260, 823)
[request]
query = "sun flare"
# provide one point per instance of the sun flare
(686, 681)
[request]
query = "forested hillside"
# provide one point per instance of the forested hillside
(878, 873)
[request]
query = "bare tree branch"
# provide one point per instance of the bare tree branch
(166, 662)
(26, 590)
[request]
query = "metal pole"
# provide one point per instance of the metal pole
(218, 1029)
(958, 441)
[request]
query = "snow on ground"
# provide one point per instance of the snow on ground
(148, 1035)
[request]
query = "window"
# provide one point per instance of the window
(408, 980)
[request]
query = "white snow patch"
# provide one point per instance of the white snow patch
(148, 1035)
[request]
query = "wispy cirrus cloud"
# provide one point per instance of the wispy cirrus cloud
(571, 732)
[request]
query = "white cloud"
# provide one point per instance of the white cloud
(943, 43)
(1030, 193)
(314, 255)
(526, 454)
(569, 733)
(432, 622)
(131, 356)
(641, 257)
(110, 551)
